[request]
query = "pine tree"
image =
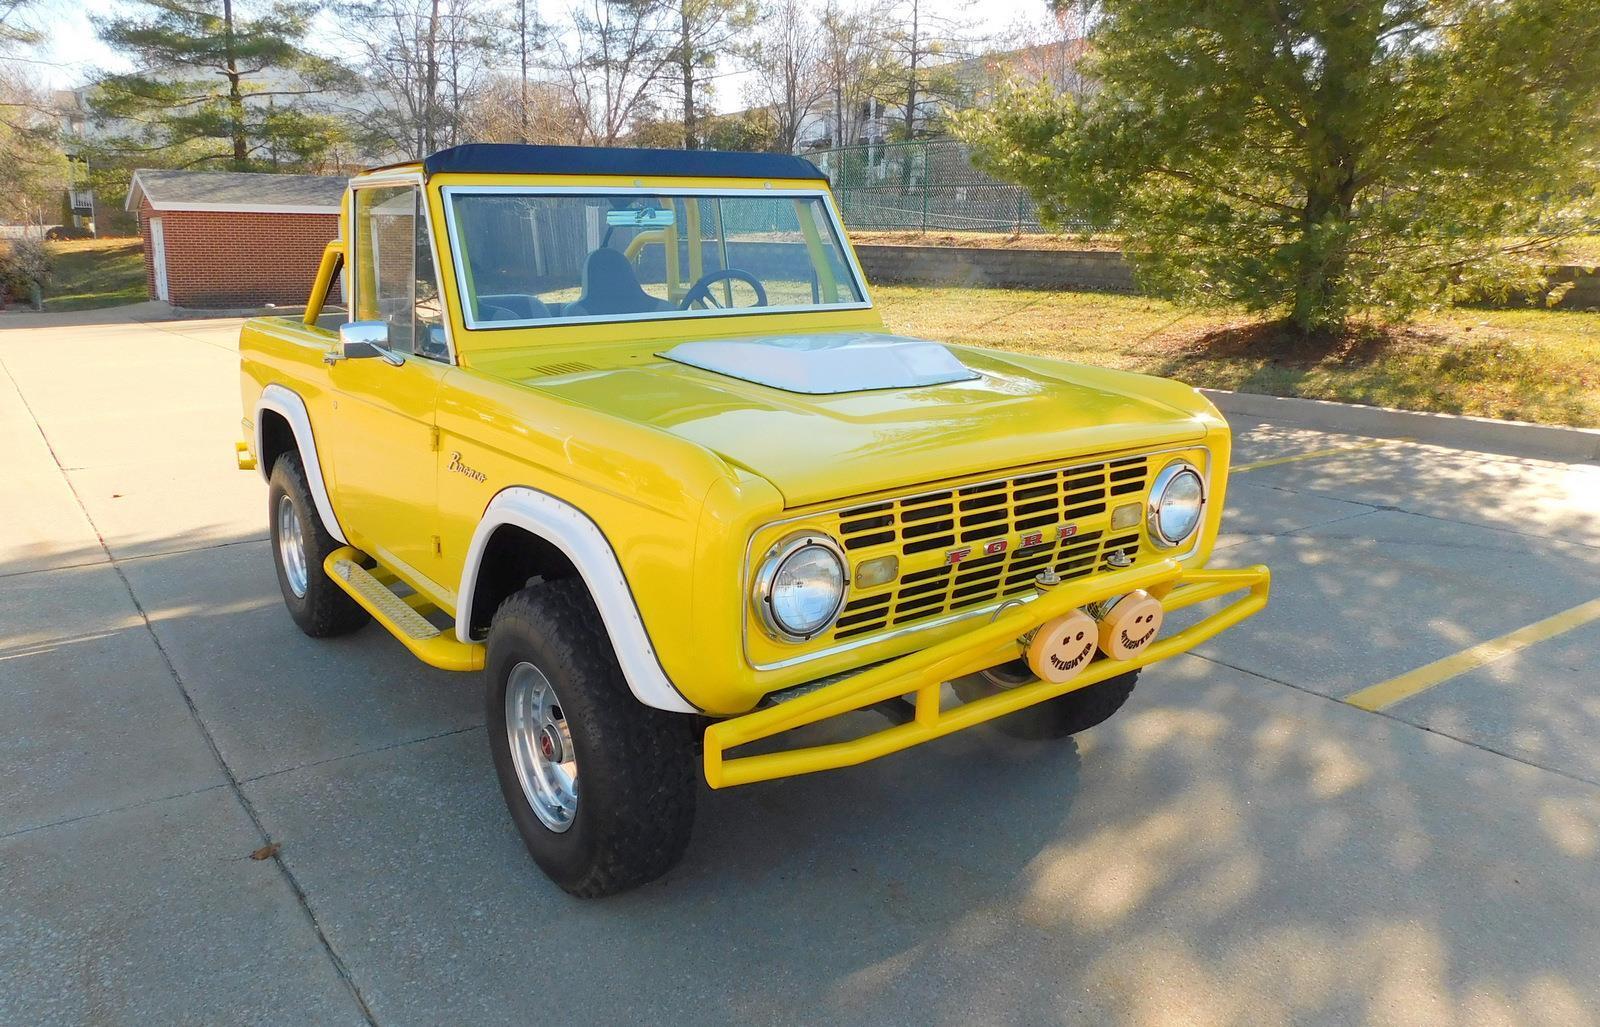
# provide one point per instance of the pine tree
(702, 32)
(216, 87)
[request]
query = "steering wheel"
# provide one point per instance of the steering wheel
(700, 291)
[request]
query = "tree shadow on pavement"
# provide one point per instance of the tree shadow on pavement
(1225, 850)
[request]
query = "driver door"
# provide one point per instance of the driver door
(384, 442)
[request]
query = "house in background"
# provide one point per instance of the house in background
(866, 125)
(951, 86)
(1058, 62)
(87, 210)
(229, 239)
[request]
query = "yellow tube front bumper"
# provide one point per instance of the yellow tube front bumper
(923, 674)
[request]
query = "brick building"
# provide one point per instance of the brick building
(232, 239)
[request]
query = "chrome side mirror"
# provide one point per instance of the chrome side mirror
(359, 340)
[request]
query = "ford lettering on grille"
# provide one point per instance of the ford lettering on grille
(1000, 545)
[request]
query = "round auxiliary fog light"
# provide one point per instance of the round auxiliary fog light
(800, 588)
(1176, 501)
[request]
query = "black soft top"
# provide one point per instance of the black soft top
(521, 159)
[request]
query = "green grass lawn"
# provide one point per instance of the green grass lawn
(90, 273)
(1529, 365)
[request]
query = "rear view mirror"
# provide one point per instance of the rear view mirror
(359, 340)
(649, 217)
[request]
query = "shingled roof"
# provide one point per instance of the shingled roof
(235, 192)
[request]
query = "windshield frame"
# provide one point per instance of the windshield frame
(472, 324)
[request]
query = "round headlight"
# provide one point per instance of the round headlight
(801, 586)
(1176, 501)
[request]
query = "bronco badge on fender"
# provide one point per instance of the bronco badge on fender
(460, 468)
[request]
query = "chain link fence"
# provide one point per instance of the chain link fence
(924, 185)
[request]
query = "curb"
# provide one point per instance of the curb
(187, 313)
(143, 312)
(1457, 431)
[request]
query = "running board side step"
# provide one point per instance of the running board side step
(402, 616)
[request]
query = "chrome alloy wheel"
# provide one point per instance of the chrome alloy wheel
(541, 747)
(292, 547)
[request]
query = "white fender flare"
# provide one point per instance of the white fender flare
(571, 531)
(293, 409)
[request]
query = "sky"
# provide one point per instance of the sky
(73, 54)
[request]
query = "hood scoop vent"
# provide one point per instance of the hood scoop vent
(552, 370)
(827, 364)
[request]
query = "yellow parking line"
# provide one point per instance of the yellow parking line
(1315, 454)
(1387, 693)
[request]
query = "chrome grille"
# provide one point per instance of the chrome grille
(922, 530)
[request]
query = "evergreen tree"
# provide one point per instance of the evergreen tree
(702, 32)
(1316, 157)
(216, 87)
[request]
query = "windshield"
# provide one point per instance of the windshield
(529, 258)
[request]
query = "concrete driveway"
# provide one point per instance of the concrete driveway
(1241, 845)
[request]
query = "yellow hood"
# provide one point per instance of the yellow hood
(820, 448)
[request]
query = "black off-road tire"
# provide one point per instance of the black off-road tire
(325, 610)
(637, 769)
(1062, 716)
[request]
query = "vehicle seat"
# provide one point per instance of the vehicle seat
(609, 287)
(511, 306)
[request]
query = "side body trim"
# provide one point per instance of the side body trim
(293, 409)
(570, 530)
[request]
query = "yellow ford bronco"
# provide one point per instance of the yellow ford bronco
(622, 430)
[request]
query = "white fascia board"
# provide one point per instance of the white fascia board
(133, 184)
(241, 208)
